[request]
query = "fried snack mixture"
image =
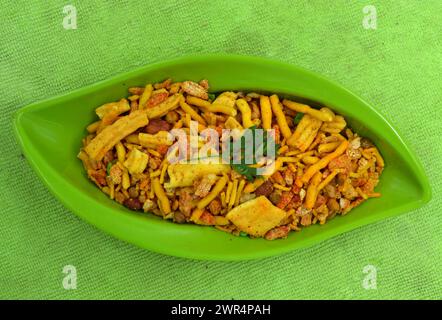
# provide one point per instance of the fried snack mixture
(321, 169)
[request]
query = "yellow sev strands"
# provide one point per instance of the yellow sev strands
(280, 116)
(161, 195)
(328, 179)
(321, 164)
(147, 93)
(193, 114)
(233, 194)
(207, 106)
(312, 191)
(299, 107)
(252, 186)
(266, 112)
(241, 185)
(246, 113)
(163, 171)
(219, 186)
(228, 191)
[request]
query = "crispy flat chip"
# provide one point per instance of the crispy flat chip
(153, 140)
(256, 216)
(114, 107)
(112, 134)
(136, 161)
(231, 123)
(224, 103)
(163, 108)
(227, 98)
(183, 175)
(337, 125)
(305, 132)
(194, 89)
(324, 114)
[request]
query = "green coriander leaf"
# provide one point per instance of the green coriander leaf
(108, 167)
(245, 170)
(298, 117)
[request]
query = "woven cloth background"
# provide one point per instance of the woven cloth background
(396, 67)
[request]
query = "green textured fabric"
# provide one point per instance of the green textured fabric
(396, 67)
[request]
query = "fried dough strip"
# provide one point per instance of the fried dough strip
(299, 107)
(112, 107)
(246, 113)
(324, 162)
(112, 134)
(280, 116)
(266, 112)
(163, 201)
(193, 114)
(312, 191)
(164, 107)
(219, 186)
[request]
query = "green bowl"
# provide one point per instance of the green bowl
(50, 134)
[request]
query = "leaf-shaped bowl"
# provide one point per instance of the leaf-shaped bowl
(50, 134)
